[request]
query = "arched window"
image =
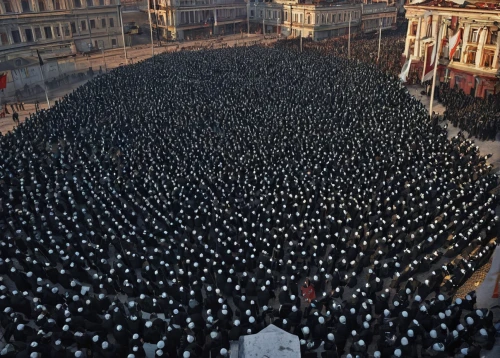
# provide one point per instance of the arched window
(41, 5)
(8, 6)
(90, 3)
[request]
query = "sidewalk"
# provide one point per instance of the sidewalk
(485, 147)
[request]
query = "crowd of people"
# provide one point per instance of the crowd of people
(480, 117)
(191, 199)
(364, 48)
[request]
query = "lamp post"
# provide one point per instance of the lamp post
(379, 39)
(349, 40)
(103, 56)
(248, 18)
(151, 29)
(278, 27)
(123, 31)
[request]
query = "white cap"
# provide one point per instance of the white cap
(397, 352)
(330, 337)
(342, 319)
(305, 330)
(104, 345)
(160, 344)
(190, 338)
(404, 341)
(186, 354)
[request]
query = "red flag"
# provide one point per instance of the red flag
(429, 63)
(3, 80)
(453, 44)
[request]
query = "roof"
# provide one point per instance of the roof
(270, 342)
(464, 4)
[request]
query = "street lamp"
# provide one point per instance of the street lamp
(101, 42)
(248, 18)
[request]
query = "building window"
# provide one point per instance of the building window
(78, 3)
(92, 24)
(41, 6)
(3, 39)
(8, 6)
(48, 32)
(29, 35)
(308, 19)
(83, 25)
(66, 30)
(58, 4)
(286, 16)
(16, 36)
(113, 42)
(470, 55)
(73, 28)
(103, 23)
(101, 2)
(252, 13)
(38, 33)
(474, 35)
(492, 37)
(90, 3)
(25, 4)
(111, 22)
(58, 31)
(488, 56)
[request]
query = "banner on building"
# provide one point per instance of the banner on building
(429, 63)
(405, 70)
(453, 44)
(3, 80)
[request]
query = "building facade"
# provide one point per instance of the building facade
(378, 16)
(474, 65)
(192, 19)
(198, 19)
(57, 28)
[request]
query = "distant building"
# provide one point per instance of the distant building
(57, 28)
(198, 19)
(474, 65)
(190, 19)
(378, 15)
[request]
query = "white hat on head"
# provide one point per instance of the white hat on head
(190, 338)
(104, 345)
(342, 319)
(404, 341)
(438, 347)
(305, 330)
(186, 354)
(470, 321)
(377, 354)
(433, 333)
(78, 354)
(321, 320)
(160, 344)
(397, 352)
(223, 351)
(135, 336)
(483, 332)
(330, 337)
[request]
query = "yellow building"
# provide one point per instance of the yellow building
(472, 26)
(57, 28)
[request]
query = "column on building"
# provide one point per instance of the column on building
(408, 40)
(495, 58)
(416, 50)
(480, 46)
(465, 39)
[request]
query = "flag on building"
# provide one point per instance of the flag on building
(3, 80)
(405, 70)
(39, 58)
(429, 63)
(453, 44)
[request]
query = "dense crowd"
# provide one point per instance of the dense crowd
(185, 202)
(480, 117)
(364, 48)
